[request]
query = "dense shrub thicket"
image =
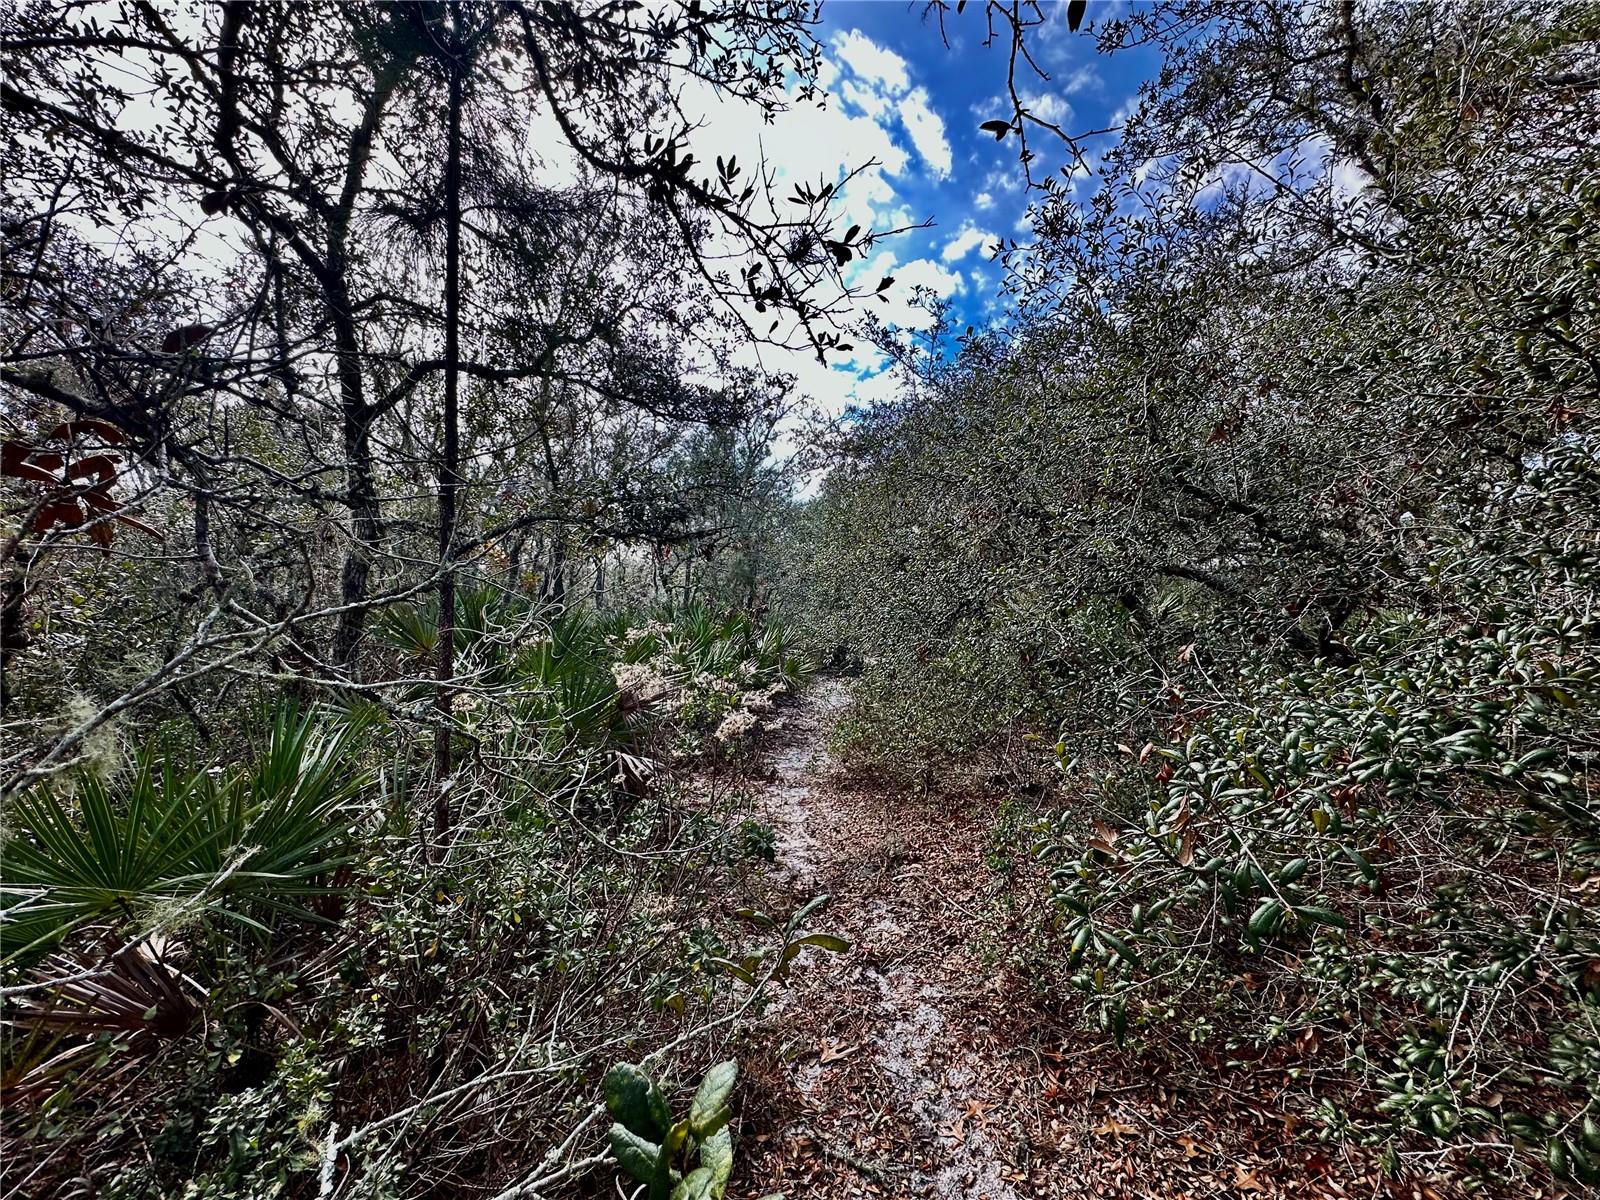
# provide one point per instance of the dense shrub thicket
(383, 617)
(261, 981)
(1270, 529)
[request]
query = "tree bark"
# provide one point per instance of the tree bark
(450, 461)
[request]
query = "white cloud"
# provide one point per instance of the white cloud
(898, 218)
(983, 200)
(880, 82)
(1081, 79)
(967, 239)
(875, 113)
(868, 100)
(918, 273)
(1048, 106)
(865, 377)
(926, 129)
(846, 380)
(871, 62)
(805, 143)
(1007, 177)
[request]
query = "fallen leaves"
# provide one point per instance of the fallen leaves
(1244, 1180)
(1004, 1102)
(1112, 1127)
(833, 1053)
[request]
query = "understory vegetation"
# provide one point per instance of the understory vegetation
(407, 560)
(1260, 557)
(385, 637)
(263, 976)
(1263, 556)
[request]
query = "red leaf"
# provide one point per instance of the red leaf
(85, 425)
(99, 497)
(185, 337)
(14, 461)
(141, 526)
(102, 466)
(58, 512)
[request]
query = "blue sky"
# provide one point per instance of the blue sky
(901, 95)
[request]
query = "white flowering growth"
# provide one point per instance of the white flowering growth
(641, 681)
(763, 701)
(735, 725)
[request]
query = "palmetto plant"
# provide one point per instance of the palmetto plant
(564, 682)
(489, 622)
(134, 997)
(702, 641)
(172, 844)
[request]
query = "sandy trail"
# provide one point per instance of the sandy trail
(923, 1062)
(875, 1047)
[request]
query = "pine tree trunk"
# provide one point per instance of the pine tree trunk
(450, 462)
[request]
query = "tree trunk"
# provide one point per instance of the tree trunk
(450, 462)
(361, 491)
(556, 582)
(356, 416)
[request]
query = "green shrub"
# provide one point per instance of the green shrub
(650, 1146)
(1413, 834)
(170, 844)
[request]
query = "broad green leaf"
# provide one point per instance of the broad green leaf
(739, 971)
(634, 1154)
(696, 1185)
(677, 1136)
(823, 941)
(805, 910)
(708, 1111)
(633, 1099)
(1265, 918)
(1321, 916)
(716, 1155)
(1121, 947)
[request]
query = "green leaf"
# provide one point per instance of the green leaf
(634, 1154)
(1265, 918)
(1121, 947)
(708, 1111)
(805, 910)
(633, 1098)
(716, 1155)
(251, 841)
(824, 941)
(741, 971)
(1321, 916)
(676, 1137)
(696, 1185)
